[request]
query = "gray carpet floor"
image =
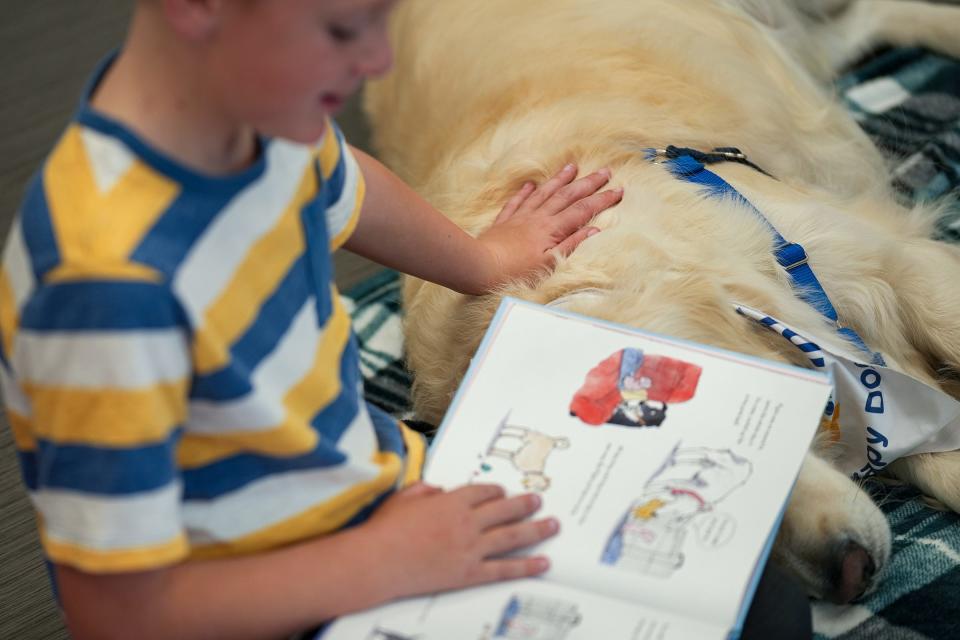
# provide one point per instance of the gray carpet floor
(49, 47)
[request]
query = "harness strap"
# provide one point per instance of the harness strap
(720, 154)
(688, 164)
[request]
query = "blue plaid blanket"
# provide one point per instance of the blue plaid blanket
(908, 101)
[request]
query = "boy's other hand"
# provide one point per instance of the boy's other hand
(429, 540)
(539, 220)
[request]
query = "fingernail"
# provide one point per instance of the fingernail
(552, 526)
(535, 501)
(592, 232)
(569, 167)
(618, 191)
(540, 564)
(605, 172)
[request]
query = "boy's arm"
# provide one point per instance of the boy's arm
(399, 229)
(419, 541)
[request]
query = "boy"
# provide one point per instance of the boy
(178, 372)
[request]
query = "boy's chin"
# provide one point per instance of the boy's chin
(308, 134)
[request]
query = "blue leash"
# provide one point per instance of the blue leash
(688, 164)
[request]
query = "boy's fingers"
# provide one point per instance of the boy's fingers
(582, 211)
(515, 202)
(511, 537)
(551, 186)
(499, 512)
(511, 569)
(575, 192)
(476, 494)
(567, 247)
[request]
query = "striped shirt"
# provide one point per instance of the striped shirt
(178, 370)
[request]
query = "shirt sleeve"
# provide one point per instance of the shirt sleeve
(343, 186)
(102, 369)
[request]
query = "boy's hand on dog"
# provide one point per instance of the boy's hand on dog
(433, 540)
(538, 221)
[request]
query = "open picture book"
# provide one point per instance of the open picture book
(667, 463)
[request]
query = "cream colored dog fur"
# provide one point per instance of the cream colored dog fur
(488, 94)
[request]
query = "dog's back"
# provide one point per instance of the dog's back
(625, 73)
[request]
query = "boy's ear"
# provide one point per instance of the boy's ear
(194, 19)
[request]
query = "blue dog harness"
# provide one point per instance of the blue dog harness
(689, 165)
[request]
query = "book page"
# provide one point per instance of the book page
(522, 610)
(667, 463)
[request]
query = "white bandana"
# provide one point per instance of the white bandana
(876, 414)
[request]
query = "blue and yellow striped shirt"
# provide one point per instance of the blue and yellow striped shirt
(178, 370)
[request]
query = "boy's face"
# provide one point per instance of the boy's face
(283, 66)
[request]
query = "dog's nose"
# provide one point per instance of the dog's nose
(853, 569)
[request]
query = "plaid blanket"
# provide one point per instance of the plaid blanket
(909, 102)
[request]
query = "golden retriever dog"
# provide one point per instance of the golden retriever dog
(488, 94)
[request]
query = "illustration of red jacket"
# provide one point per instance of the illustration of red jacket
(669, 381)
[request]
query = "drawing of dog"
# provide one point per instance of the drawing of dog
(528, 451)
(488, 95)
(692, 480)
